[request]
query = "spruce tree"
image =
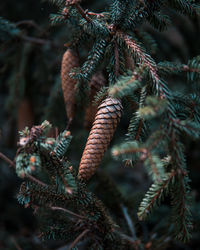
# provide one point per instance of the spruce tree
(119, 77)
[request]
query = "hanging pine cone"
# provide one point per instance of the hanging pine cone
(69, 61)
(97, 81)
(106, 119)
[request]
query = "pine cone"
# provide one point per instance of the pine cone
(25, 114)
(69, 61)
(106, 119)
(97, 81)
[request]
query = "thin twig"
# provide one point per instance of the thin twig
(33, 179)
(129, 221)
(30, 177)
(6, 159)
(95, 14)
(68, 211)
(82, 12)
(78, 239)
(128, 151)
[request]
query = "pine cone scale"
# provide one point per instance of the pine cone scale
(106, 137)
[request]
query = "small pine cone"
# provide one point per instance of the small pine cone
(69, 61)
(25, 114)
(106, 119)
(97, 81)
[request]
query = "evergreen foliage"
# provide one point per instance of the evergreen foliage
(160, 119)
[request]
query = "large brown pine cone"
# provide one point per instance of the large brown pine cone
(98, 80)
(69, 61)
(106, 119)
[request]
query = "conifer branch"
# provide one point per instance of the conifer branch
(159, 119)
(147, 61)
(180, 196)
(154, 195)
(124, 85)
(131, 148)
(95, 14)
(140, 54)
(83, 13)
